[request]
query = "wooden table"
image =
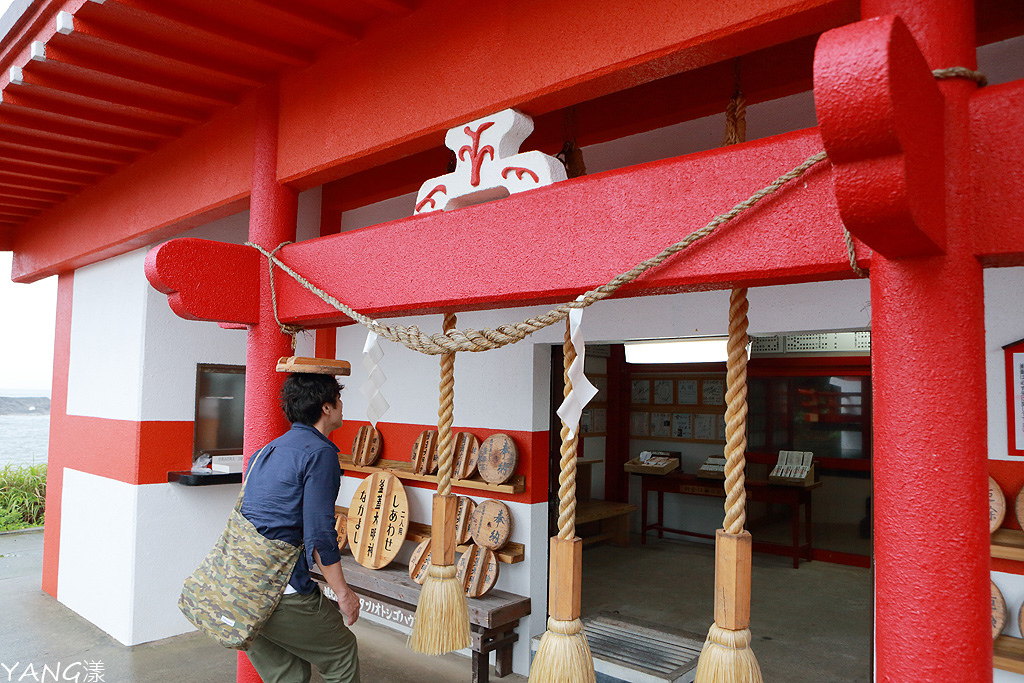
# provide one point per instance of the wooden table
(757, 491)
(390, 594)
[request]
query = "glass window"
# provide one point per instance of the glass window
(220, 409)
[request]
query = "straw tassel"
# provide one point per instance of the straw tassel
(564, 655)
(726, 656)
(442, 616)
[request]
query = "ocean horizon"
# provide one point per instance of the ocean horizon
(24, 439)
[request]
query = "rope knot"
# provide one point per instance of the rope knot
(564, 628)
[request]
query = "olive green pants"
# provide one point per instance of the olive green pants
(304, 630)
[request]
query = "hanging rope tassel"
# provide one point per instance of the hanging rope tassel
(564, 655)
(442, 616)
(726, 656)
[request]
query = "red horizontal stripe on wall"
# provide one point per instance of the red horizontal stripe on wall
(397, 441)
(132, 452)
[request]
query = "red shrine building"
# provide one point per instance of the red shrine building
(145, 145)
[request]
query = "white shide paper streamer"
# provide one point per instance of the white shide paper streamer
(582, 390)
(376, 405)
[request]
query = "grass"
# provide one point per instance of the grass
(22, 496)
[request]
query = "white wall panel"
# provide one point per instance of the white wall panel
(1004, 324)
(125, 551)
(176, 526)
(107, 328)
(95, 570)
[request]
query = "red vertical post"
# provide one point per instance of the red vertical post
(273, 212)
(930, 462)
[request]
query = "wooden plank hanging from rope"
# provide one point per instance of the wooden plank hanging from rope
(317, 366)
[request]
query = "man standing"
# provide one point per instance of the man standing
(289, 496)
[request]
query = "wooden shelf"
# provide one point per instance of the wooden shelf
(403, 470)
(512, 553)
(1008, 544)
(1008, 654)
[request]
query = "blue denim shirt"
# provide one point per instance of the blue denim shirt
(290, 495)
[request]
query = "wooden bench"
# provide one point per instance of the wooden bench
(614, 519)
(390, 594)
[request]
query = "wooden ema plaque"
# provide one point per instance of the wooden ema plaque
(341, 526)
(497, 458)
(491, 524)
(998, 611)
(1019, 510)
(466, 448)
(366, 446)
(424, 452)
(997, 505)
(478, 571)
(378, 520)
(463, 521)
(420, 562)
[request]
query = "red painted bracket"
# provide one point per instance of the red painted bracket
(880, 115)
(206, 280)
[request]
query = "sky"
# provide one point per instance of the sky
(27, 320)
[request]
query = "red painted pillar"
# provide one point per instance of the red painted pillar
(930, 461)
(273, 213)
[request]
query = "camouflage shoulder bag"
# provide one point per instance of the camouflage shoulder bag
(235, 590)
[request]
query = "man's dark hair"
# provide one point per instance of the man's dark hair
(304, 394)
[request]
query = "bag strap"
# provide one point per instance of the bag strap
(245, 479)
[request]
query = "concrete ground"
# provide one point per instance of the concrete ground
(35, 628)
(809, 625)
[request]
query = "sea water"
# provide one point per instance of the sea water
(24, 439)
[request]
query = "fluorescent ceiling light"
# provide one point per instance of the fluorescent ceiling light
(704, 350)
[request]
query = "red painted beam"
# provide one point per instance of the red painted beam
(490, 55)
(205, 27)
(997, 174)
(72, 59)
(880, 114)
(82, 92)
(48, 187)
(206, 280)
(158, 196)
(581, 233)
(27, 100)
(101, 36)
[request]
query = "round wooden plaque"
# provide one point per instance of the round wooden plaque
(366, 446)
(478, 570)
(998, 611)
(424, 452)
(491, 524)
(497, 458)
(341, 526)
(1019, 509)
(378, 520)
(466, 448)
(420, 562)
(463, 521)
(996, 505)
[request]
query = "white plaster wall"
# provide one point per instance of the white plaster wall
(125, 551)
(1004, 324)
(107, 338)
(95, 569)
(132, 358)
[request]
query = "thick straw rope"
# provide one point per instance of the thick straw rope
(736, 414)
(445, 411)
(487, 339)
(567, 462)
